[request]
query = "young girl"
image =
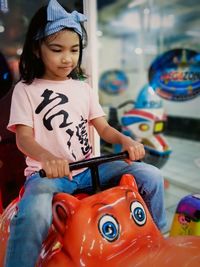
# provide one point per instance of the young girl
(51, 113)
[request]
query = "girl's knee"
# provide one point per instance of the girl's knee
(155, 177)
(147, 176)
(155, 173)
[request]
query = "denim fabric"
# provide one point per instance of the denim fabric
(29, 227)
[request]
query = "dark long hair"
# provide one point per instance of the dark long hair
(30, 66)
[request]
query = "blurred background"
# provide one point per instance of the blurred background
(136, 43)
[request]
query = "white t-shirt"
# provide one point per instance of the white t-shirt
(59, 112)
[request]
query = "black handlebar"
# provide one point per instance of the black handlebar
(93, 164)
(97, 160)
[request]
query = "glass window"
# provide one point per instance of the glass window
(132, 33)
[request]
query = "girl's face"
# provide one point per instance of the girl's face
(60, 53)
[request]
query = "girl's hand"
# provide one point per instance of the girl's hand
(135, 149)
(52, 165)
(111, 135)
(55, 167)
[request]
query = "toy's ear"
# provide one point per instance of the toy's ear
(128, 179)
(64, 205)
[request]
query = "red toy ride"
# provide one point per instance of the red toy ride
(109, 228)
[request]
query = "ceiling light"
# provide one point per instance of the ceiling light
(193, 33)
(2, 28)
(138, 50)
(19, 51)
(146, 11)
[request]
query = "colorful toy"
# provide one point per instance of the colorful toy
(145, 122)
(113, 82)
(187, 217)
(110, 228)
(174, 75)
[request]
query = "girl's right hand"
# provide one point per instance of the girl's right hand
(55, 167)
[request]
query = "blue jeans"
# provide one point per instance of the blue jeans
(29, 227)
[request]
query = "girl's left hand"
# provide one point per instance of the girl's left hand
(135, 149)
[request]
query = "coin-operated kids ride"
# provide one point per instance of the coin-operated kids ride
(112, 227)
(186, 219)
(145, 121)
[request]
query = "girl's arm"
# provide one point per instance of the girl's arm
(52, 165)
(111, 135)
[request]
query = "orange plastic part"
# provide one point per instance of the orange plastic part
(111, 228)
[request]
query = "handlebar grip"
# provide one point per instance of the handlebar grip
(92, 162)
(42, 173)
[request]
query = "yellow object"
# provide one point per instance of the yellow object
(183, 226)
(158, 127)
(187, 217)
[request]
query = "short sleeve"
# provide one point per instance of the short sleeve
(20, 111)
(95, 107)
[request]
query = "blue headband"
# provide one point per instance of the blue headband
(58, 18)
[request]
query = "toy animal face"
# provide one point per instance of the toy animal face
(103, 225)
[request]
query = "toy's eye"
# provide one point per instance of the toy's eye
(109, 227)
(144, 127)
(138, 213)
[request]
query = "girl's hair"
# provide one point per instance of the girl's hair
(31, 66)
